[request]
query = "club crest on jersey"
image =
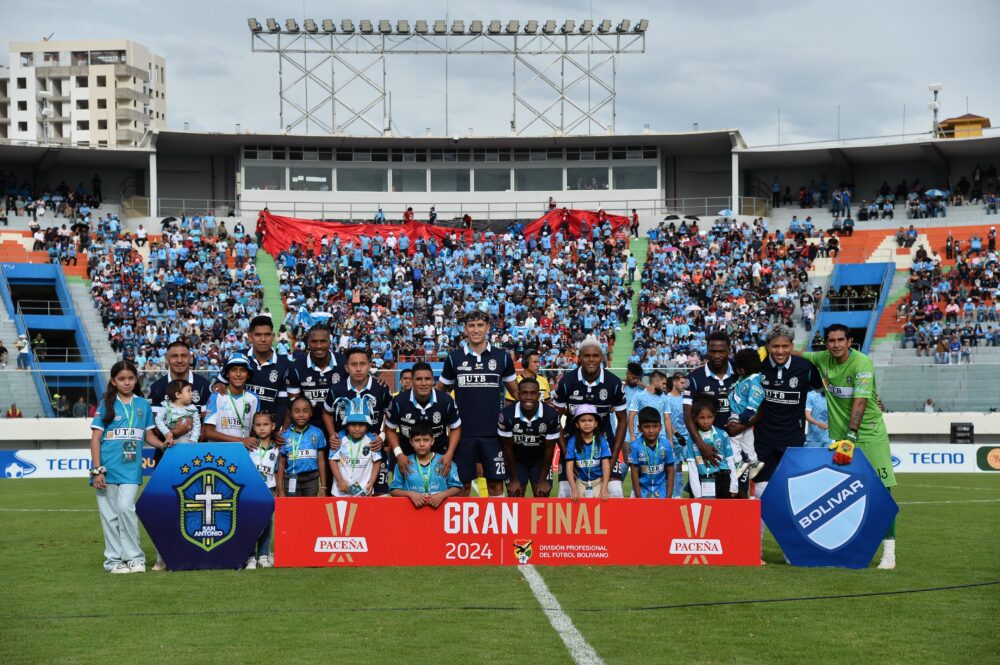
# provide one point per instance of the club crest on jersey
(522, 550)
(492, 364)
(829, 506)
(793, 382)
(273, 376)
(208, 504)
(335, 377)
(603, 395)
(436, 418)
(543, 428)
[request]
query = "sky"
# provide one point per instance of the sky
(715, 63)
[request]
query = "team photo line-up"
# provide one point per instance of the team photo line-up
(321, 425)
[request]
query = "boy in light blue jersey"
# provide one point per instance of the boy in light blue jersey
(675, 406)
(651, 458)
(744, 402)
(710, 481)
(426, 482)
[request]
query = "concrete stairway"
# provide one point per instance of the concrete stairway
(91, 319)
(16, 386)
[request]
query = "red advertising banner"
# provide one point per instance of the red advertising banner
(313, 532)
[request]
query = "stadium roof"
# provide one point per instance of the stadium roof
(74, 156)
(880, 150)
(695, 143)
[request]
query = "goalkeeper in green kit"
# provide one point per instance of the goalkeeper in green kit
(855, 417)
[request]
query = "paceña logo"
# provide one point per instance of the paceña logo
(696, 547)
(829, 506)
(341, 545)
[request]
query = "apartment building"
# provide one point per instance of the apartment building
(87, 93)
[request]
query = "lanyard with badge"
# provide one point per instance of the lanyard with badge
(238, 408)
(293, 459)
(652, 460)
(588, 492)
(426, 478)
(129, 446)
(708, 484)
(354, 451)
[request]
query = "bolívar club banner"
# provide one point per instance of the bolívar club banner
(506, 532)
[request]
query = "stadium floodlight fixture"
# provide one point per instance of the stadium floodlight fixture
(568, 27)
(347, 25)
(531, 27)
(440, 27)
(310, 25)
(624, 25)
(933, 106)
(385, 27)
(643, 26)
(403, 27)
(458, 27)
(935, 87)
(328, 26)
(365, 27)
(494, 28)
(604, 27)
(513, 27)
(587, 27)
(291, 25)
(549, 28)
(254, 25)
(273, 26)
(44, 94)
(476, 28)
(421, 27)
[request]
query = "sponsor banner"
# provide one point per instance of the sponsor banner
(56, 463)
(507, 532)
(988, 458)
(205, 506)
(825, 514)
(933, 457)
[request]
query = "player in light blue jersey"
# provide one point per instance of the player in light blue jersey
(655, 396)
(651, 458)
(679, 438)
(744, 403)
(422, 482)
(123, 421)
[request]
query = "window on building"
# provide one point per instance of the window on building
(22, 105)
(409, 180)
(83, 125)
(362, 180)
(82, 104)
(27, 59)
(22, 83)
(102, 124)
(82, 82)
(492, 180)
(491, 155)
(310, 180)
(587, 177)
(450, 180)
(538, 180)
(102, 81)
(264, 177)
(102, 103)
(634, 177)
(22, 126)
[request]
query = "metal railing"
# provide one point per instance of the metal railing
(364, 210)
(58, 354)
(40, 307)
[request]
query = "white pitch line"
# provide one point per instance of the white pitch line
(579, 649)
(923, 503)
(953, 487)
(45, 510)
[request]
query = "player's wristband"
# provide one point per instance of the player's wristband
(97, 471)
(852, 436)
(397, 451)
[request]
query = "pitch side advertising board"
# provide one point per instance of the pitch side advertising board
(477, 532)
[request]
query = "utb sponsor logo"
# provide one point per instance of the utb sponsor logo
(988, 458)
(696, 547)
(341, 546)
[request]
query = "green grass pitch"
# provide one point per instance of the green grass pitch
(59, 606)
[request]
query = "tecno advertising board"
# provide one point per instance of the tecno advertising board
(934, 458)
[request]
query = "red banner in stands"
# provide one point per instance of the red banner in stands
(577, 221)
(280, 232)
(314, 532)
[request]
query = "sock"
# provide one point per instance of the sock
(481, 487)
(891, 533)
(889, 548)
(758, 490)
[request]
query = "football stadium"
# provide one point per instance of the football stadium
(555, 385)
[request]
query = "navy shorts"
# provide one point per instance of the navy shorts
(483, 450)
(530, 472)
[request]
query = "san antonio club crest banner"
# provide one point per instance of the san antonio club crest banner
(492, 532)
(205, 506)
